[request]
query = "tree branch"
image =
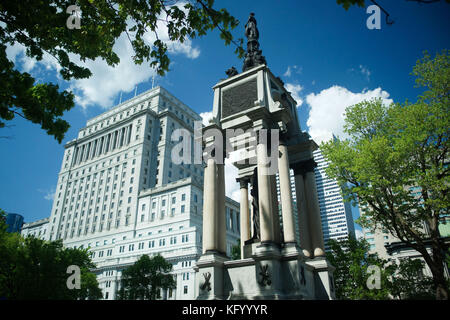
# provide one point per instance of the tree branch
(385, 12)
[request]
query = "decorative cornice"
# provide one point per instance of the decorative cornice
(108, 128)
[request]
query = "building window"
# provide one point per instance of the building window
(185, 290)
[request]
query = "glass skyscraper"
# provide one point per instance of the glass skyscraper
(336, 215)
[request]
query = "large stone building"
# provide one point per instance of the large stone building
(388, 247)
(38, 229)
(120, 194)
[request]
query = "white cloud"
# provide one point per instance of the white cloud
(107, 82)
(288, 72)
(49, 194)
(294, 68)
(232, 188)
(206, 116)
(326, 116)
(295, 89)
(365, 71)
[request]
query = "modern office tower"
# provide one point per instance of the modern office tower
(14, 222)
(336, 215)
(120, 194)
(37, 228)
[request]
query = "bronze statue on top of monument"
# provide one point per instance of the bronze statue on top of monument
(253, 56)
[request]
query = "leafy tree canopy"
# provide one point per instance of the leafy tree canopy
(34, 269)
(403, 280)
(236, 251)
(395, 163)
(351, 275)
(145, 278)
(41, 26)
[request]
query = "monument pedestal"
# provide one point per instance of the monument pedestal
(270, 273)
(210, 276)
(323, 278)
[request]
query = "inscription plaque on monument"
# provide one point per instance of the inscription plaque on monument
(239, 98)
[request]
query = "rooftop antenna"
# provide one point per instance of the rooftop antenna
(153, 81)
(120, 100)
(135, 89)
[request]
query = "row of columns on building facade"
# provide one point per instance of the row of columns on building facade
(102, 145)
(311, 238)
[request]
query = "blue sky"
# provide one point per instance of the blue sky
(326, 56)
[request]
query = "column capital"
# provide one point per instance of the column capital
(304, 166)
(282, 141)
(243, 182)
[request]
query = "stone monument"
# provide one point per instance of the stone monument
(272, 265)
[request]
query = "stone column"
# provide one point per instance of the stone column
(275, 210)
(119, 137)
(264, 195)
(210, 199)
(221, 225)
(305, 241)
(245, 214)
(286, 195)
(312, 202)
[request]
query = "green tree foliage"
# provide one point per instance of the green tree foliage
(41, 26)
(395, 163)
(409, 282)
(145, 279)
(35, 269)
(352, 261)
(404, 280)
(236, 251)
(89, 286)
(348, 3)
